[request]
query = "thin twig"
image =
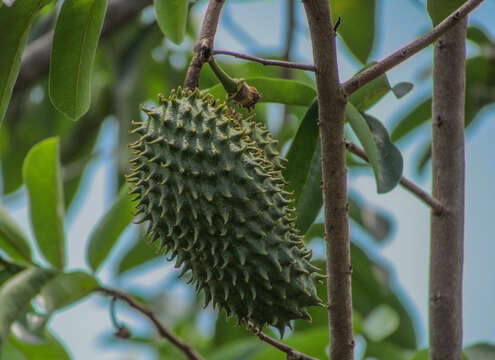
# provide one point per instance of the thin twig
(291, 353)
(407, 184)
(163, 331)
(409, 49)
(284, 64)
(204, 45)
(36, 57)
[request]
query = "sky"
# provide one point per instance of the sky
(408, 249)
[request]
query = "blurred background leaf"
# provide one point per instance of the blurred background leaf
(41, 173)
(75, 40)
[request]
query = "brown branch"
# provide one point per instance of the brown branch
(36, 58)
(331, 116)
(407, 184)
(190, 353)
(284, 64)
(409, 49)
(292, 354)
(448, 183)
(204, 44)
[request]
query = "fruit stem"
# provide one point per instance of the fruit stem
(228, 83)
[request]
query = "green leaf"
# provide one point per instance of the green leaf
(424, 355)
(415, 118)
(303, 170)
(172, 18)
(227, 331)
(371, 93)
(480, 36)
(440, 9)
(358, 25)
(74, 45)
(12, 239)
(481, 351)
(310, 342)
(15, 22)
(16, 294)
(41, 174)
(381, 322)
(384, 157)
(48, 347)
(239, 350)
(385, 350)
(108, 230)
(289, 92)
(140, 253)
(402, 89)
(66, 289)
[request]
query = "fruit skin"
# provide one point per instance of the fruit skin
(209, 183)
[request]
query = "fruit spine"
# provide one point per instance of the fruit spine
(210, 185)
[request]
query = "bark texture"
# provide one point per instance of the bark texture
(331, 115)
(204, 45)
(447, 227)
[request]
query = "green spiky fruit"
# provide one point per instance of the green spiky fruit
(209, 183)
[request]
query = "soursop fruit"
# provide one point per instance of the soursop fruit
(209, 183)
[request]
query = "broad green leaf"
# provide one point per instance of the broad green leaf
(481, 351)
(402, 89)
(384, 158)
(481, 36)
(12, 239)
(227, 331)
(172, 18)
(108, 230)
(424, 355)
(303, 170)
(140, 253)
(289, 92)
(41, 173)
(415, 118)
(48, 347)
(440, 9)
(480, 84)
(16, 294)
(371, 93)
(381, 322)
(311, 342)
(358, 25)
(385, 350)
(239, 350)
(15, 22)
(74, 45)
(66, 289)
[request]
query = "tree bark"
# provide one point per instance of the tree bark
(331, 116)
(447, 227)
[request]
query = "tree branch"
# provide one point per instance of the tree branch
(448, 182)
(407, 184)
(409, 49)
(204, 44)
(190, 353)
(284, 64)
(292, 354)
(331, 116)
(36, 58)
